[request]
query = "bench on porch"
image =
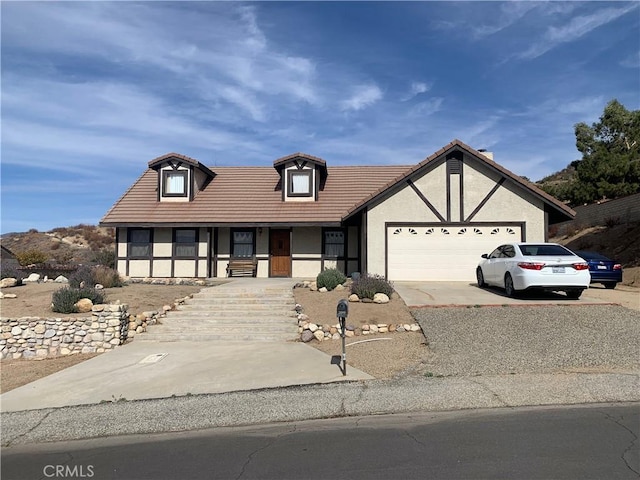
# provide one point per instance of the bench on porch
(242, 267)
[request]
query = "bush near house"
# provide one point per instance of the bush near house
(86, 276)
(330, 278)
(31, 257)
(368, 285)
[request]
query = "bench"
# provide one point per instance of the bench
(242, 267)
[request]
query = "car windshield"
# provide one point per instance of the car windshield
(543, 250)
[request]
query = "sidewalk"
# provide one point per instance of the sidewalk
(411, 394)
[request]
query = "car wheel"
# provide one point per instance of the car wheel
(610, 285)
(574, 294)
(509, 289)
(480, 277)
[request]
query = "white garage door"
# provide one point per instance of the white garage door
(447, 252)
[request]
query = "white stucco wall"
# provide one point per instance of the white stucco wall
(162, 246)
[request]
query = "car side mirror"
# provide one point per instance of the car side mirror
(484, 255)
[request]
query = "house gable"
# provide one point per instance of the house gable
(302, 177)
(179, 178)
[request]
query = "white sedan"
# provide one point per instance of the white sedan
(544, 266)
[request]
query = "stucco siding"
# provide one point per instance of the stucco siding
(182, 268)
(306, 242)
(162, 246)
(433, 186)
(305, 268)
(162, 268)
(139, 268)
(478, 182)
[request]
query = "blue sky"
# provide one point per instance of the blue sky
(91, 91)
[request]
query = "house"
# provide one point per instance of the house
(430, 221)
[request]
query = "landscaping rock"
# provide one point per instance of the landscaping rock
(319, 335)
(84, 305)
(380, 298)
(9, 295)
(339, 287)
(61, 279)
(8, 282)
(313, 286)
(34, 277)
(366, 300)
(354, 298)
(323, 290)
(99, 286)
(312, 327)
(307, 336)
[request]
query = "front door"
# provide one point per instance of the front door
(280, 253)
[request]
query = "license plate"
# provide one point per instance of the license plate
(602, 267)
(557, 269)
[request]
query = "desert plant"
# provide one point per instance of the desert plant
(330, 278)
(107, 277)
(611, 222)
(368, 285)
(64, 299)
(31, 257)
(82, 277)
(106, 257)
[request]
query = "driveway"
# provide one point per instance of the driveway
(439, 294)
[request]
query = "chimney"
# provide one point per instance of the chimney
(484, 152)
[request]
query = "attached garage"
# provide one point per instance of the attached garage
(443, 252)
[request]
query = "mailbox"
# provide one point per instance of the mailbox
(343, 309)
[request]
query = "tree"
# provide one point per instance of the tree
(610, 164)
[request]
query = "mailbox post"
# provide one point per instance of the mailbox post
(342, 311)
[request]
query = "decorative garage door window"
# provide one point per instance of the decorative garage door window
(334, 243)
(448, 231)
(243, 244)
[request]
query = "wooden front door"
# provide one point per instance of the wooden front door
(280, 253)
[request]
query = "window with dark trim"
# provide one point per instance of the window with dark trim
(139, 243)
(334, 243)
(185, 243)
(243, 243)
(174, 183)
(300, 183)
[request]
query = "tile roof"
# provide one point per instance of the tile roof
(250, 195)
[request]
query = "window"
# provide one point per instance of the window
(140, 243)
(185, 242)
(299, 183)
(243, 243)
(334, 243)
(174, 183)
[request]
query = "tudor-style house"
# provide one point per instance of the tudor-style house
(429, 221)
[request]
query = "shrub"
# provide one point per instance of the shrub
(9, 272)
(83, 275)
(330, 278)
(611, 222)
(106, 257)
(31, 257)
(368, 285)
(107, 277)
(64, 299)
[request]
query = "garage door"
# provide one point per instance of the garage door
(447, 252)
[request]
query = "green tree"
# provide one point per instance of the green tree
(610, 164)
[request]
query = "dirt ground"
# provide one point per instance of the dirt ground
(380, 355)
(34, 300)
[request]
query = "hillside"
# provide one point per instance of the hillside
(64, 245)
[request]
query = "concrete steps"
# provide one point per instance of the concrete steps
(243, 310)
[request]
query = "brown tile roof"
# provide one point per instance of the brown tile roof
(248, 195)
(548, 199)
(283, 160)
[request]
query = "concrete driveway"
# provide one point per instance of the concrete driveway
(146, 370)
(439, 294)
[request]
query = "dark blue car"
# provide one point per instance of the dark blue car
(602, 269)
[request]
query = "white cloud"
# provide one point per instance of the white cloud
(417, 88)
(429, 107)
(632, 61)
(510, 13)
(574, 29)
(364, 96)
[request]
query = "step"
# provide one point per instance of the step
(248, 328)
(248, 310)
(177, 337)
(189, 320)
(267, 300)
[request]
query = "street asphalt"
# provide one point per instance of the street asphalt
(220, 390)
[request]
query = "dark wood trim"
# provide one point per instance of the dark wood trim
(192, 183)
(485, 199)
(209, 237)
(387, 225)
(365, 234)
(546, 226)
(241, 225)
(461, 189)
(359, 250)
(216, 242)
(428, 203)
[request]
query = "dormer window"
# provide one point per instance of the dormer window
(174, 183)
(300, 183)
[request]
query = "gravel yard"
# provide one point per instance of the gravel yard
(544, 339)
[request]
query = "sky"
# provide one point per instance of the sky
(92, 91)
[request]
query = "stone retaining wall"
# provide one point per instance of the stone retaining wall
(32, 337)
